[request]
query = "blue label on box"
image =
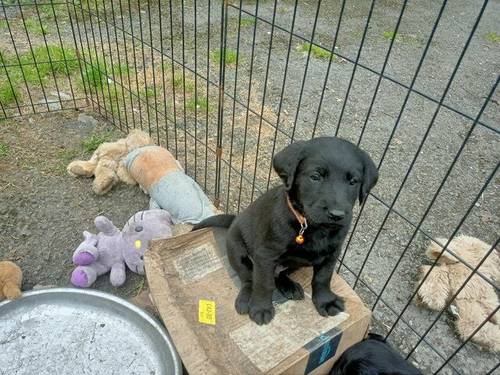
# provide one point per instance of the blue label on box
(322, 348)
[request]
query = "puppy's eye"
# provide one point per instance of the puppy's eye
(351, 179)
(315, 177)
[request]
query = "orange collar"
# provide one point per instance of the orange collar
(299, 239)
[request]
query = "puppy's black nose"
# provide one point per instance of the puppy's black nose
(336, 215)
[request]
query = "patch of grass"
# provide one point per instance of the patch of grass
(34, 26)
(148, 93)
(201, 104)
(95, 140)
(9, 93)
(41, 55)
(247, 21)
(179, 83)
(95, 76)
(122, 69)
(493, 37)
(4, 149)
(316, 51)
(231, 56)
(388, 34)
(401, 38)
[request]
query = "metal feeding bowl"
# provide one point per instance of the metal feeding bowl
(82, 331)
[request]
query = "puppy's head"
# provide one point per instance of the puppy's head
(324, 177)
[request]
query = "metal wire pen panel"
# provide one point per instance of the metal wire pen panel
(225, 85)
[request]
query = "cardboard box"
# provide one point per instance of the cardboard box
(194, 289)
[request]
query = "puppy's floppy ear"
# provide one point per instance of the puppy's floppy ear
(370, 176)
(286, 161)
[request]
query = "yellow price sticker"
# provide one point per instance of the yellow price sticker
(206, 312)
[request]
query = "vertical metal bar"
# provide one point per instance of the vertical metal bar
(112, 64)
(85, 63)
(164, 84)
(126, 59)
(282, 93)
(234, 105)
(154, 74)
(355, 67)
(173, 78)
(135, 63)
(3, 110)
(49, 57)
(220, 117)
(195, 16)
(68, 73)
(327, 75)
(75, 43)
(18, 60)
(122, 83)
(316, 16)
(414, 79)
(208, 93)
(252, 54)
(98, 67)
(144, 66)
(264, 92)
(32, 55)
(408, 171)
(183, 36)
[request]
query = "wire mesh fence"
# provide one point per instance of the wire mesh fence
(225, 85)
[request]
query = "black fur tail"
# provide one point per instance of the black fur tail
(222, 221)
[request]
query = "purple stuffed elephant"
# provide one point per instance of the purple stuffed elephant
(111, 250)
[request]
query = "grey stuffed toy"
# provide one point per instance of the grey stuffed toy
(112, 249)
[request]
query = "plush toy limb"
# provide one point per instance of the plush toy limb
(105, 178)
(86, 253)
(117, 276)
(106, 226)
(10, 290)
(435, 290)
(124, 176)
(471, 318)
(81, 168)
(83, 276)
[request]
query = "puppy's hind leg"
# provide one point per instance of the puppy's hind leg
(289, 288)
(241, 263)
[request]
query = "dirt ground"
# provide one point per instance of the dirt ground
(42, 207)
(43, 210)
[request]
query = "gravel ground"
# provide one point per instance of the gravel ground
(248, 142)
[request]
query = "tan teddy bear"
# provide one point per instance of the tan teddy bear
(477, 300)
(11, 278)
(105, 164)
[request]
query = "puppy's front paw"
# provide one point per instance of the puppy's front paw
(261, 314)
(328, 304)
(242, 301)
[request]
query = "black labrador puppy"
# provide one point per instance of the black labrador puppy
(373, 356)
(300, 223)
